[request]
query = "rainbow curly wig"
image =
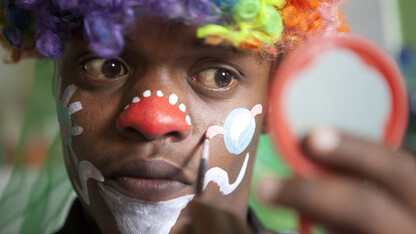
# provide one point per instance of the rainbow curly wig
(269, 26)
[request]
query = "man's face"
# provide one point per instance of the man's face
(160, 163)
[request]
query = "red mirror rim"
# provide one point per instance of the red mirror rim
(284, 139)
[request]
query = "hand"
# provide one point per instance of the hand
(206, 219)
(372, 191)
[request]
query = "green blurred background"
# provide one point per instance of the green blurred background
(389, 23)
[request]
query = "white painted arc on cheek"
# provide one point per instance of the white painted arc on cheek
(220, 177)
(68, 93)
(87, 171)
(74, 107)
(138, 216)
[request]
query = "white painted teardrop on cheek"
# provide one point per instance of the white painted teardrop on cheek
(147, 93)
(173, 99)
(188, 120)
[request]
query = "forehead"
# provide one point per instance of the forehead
(163, 31)
(155, 35)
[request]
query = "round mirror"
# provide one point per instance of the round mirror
(344, 82)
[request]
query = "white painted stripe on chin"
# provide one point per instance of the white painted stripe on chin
(220, 177)
(138, 216)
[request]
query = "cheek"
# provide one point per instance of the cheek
(91, 123)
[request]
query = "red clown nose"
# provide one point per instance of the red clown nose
(155, 116)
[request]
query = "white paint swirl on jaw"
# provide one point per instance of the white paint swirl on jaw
(87, 171)
(138, 216)
(220, 177)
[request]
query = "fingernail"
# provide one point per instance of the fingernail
(269, 189)
(325, 139)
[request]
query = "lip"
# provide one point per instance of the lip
(150, 180)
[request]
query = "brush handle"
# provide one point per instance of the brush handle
(202, 167)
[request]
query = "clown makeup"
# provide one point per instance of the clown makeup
(221, 178)
(238, 132)
(138, 216)
(238, 129)
(85, 169)
(144, 118)
(155, 114)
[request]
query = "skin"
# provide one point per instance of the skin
(373, 190)
(338, 201)
(167, 57)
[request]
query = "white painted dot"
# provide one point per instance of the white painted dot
(182, 107)
(173, 99)
(125, 108)
(188, 120)
(147, 93)
(77, 130)
(136, 99)
(159, 93)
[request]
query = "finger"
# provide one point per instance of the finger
(341, 203)
(396, 171)
(208, 219)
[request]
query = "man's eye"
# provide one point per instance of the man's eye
(104, 68)
(215, 78)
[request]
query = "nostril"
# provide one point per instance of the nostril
(130, 130)
(174, 135)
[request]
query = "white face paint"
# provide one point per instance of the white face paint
(85, 169)
(131, 215)
(138, 216)
(238, 129)
(238, 132)
(220, 177)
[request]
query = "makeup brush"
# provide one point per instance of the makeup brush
(202, 167)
